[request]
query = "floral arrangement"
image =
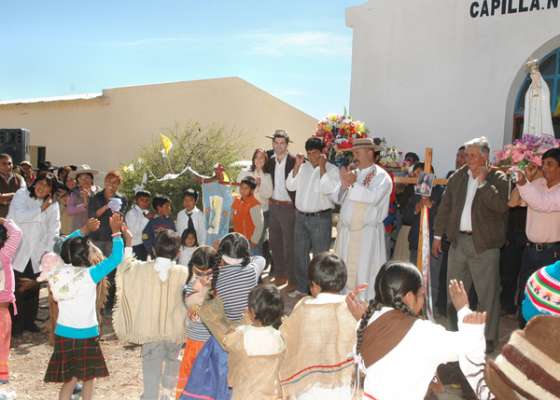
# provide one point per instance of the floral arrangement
(338, 133)
(527, 150)
(390, 156)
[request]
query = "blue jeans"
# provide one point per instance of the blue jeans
(312, 234)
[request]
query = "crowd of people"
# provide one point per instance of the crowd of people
(212, 325)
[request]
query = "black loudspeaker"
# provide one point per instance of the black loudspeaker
(15, 142)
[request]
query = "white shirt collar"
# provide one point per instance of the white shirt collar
(162, 267)
(326, 298)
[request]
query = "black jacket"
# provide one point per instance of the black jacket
(271, 167)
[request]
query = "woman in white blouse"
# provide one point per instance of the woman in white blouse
(38, 216)
(263, 192)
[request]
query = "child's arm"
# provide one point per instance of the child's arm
(14, 237)
(91, 225)
(105, 267)
(258, 263)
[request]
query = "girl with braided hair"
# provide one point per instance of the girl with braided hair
(392, 341)
(237, 273)
(202, 264)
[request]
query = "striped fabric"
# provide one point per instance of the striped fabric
(318, 369)
(529, 364)
(234, 284)
(196, 330)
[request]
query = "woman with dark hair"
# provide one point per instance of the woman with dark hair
(393, 342)
(38, 216)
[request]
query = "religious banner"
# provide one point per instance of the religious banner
(217, 200)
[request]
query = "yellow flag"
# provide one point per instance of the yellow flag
(557, 112)
(166, 143)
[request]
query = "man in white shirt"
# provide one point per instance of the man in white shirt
(473, 214)
(136, 220)
(192, 217)
(364, 194)
(281, 212)
(313, 222)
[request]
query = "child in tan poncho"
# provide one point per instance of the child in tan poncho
(320, 335)
(255, 347)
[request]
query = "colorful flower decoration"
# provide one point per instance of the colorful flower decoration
(527, 150)
(338, 133)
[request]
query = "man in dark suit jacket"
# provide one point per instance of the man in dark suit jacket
(281, 211)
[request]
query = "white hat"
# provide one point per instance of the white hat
(83, 169)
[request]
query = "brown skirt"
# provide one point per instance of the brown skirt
(76, 358)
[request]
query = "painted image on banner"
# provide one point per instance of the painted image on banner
(490, 8)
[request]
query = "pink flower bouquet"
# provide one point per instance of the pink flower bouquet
(527, 150)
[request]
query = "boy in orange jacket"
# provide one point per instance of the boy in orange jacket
(247, 214)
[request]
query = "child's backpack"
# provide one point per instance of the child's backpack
(208, 377)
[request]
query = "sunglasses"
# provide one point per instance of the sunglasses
(200, 273)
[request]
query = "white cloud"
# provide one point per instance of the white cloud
(311, 43)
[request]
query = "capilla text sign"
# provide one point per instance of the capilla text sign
(491, 8)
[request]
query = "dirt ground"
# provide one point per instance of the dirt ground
(30, 356)
(31, 353)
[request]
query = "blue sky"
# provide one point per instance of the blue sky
(299, 51)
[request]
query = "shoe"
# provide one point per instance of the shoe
(295, 293)
(32, 327)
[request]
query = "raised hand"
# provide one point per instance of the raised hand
(91, 225)
(116, 223)
(458, 294)
(356, 306)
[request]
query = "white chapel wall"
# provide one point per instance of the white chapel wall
(439, 72)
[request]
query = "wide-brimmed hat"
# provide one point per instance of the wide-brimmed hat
(280, 133)
(365, 143)
(529, 364)
(82, 169)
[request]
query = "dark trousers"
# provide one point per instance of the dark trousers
(510, 266)
(140, 252)
(27, 299)
(312, 234)
(533, 259)
(481, 270)
(281, 231)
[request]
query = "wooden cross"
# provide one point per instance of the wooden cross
(413, 181)
(409, 180)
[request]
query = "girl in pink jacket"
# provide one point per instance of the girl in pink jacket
(10, 236)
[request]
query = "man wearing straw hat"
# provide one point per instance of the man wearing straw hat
(364, 195)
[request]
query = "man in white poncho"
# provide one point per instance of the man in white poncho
(364, 194)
